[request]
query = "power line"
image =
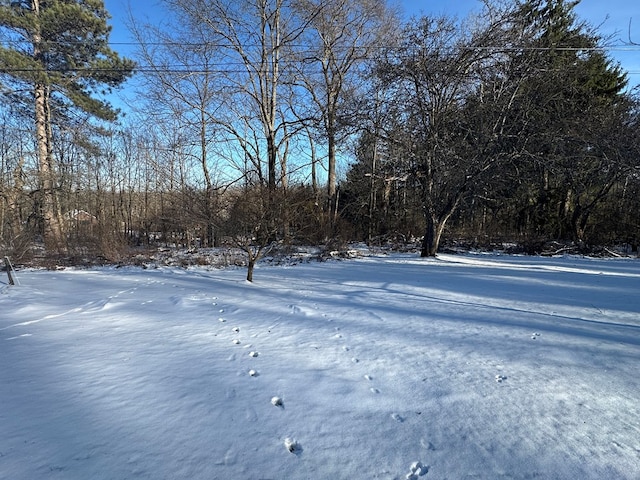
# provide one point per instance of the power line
(306, 56)
(177, 70)
(616, 47)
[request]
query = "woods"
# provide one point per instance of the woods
(279, 122)
(59, 51)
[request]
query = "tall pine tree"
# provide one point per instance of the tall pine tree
(59, 48)
(571, 104)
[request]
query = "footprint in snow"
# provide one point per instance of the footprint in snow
(397, 417)
(416, 470)
(277, 402)
(500, 378)
(427, 444)
(292, 446)
(535, 335)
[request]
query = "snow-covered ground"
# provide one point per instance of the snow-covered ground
(386, 367)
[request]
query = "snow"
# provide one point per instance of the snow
(390, 367)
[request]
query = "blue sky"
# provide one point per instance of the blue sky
(622, 19)
(613, 17)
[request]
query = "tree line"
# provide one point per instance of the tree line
(266, 122)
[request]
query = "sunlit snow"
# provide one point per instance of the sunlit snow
(390, 367)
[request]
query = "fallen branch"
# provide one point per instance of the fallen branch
(612, 253)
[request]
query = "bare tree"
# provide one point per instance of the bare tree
(344, 36)
(429, 82)
(249, 223)
(182, 88)
(250, 38)
(15, 202)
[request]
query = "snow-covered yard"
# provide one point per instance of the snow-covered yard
(382, 367)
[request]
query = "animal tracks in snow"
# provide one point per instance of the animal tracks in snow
(237, 334)
(354, 359)
(397, 417)
(292, 446)
(416, 470)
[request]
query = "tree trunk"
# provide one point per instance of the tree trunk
(331, 169)
(429, 247)
(432, 235)
(250, 264)
(14, 198)
(53, 236)
(272, 161)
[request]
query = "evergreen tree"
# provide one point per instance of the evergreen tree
(570, 105)
(59, 48)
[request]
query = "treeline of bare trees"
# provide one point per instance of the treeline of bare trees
(513, 125)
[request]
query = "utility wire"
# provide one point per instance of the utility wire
(308, 56)
(615, 47)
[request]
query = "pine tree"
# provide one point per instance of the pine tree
(59, 48)
(570, 103)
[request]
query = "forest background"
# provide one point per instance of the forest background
(273, 123)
